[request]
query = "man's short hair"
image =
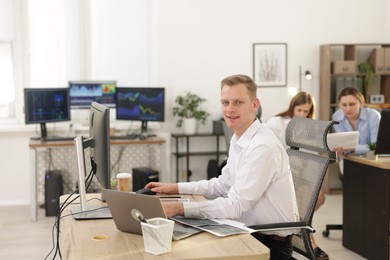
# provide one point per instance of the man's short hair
(241, 79)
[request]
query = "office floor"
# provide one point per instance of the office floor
(22, 239)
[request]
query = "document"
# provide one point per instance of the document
(346, 140)
(218, 227)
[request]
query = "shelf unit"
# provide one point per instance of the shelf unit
(187, 153)
(331, 53)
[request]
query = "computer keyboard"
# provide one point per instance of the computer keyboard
(124, 137)
(58, 138)
(179, 234)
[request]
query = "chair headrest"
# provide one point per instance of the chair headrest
(309, 134)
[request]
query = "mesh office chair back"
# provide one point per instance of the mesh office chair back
(309, 157)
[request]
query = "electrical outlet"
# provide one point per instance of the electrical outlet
(377, 99)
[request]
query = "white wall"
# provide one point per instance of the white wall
(192, 45)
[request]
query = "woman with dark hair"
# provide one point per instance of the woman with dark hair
(302, 104)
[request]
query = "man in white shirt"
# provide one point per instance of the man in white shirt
(255, 186)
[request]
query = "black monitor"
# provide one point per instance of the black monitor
(99, 144)
(140, 104)
(383, 139)
(46, 105)
(83, 93)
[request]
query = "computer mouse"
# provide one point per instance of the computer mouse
(145, 191)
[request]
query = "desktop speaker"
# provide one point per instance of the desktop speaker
(142, 176)
(53, 191)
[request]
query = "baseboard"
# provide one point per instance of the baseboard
(14, 202)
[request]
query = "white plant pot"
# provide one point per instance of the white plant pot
(190, 126)
(370, 155)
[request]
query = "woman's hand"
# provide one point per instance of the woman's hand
(341, 151)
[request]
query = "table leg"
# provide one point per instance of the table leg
(33, 184)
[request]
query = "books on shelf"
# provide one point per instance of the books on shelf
(217, 227)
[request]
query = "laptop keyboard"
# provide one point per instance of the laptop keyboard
(179, 234)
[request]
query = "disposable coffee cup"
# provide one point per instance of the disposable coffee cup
(124, 182)
(157, 235)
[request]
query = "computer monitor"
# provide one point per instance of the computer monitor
(383, 139)
(99, 144)
(83, 93)
(140, 104)
(46, 105)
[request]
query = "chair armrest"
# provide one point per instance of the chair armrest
(282, 226)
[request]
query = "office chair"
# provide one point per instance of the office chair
(309, 157)
(228, 134)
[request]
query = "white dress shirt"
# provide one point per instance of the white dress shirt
(255, 186)
(279, 124)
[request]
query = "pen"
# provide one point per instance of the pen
(171, 197)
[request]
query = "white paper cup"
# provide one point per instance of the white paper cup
(124, 182)
(157, 235)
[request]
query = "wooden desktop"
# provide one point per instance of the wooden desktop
(99, 239)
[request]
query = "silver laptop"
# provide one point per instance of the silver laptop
(125, 207)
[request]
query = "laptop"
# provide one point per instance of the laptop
(125, 207)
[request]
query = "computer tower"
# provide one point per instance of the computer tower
(53, 191)
(213, 169)
(142, 176)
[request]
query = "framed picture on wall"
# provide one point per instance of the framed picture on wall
(270, 64)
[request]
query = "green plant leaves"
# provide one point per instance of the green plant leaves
(187, 106)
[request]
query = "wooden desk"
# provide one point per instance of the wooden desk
(78, 241)
(36, 175)
(366, 206)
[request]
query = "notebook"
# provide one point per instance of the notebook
(346, 140)
(125, 206)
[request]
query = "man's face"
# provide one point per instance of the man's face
(238, 109)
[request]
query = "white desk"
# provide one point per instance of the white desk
(38, 164)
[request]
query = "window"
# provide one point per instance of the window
(7, 87)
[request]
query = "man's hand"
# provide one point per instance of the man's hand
(166, 188)
(173, 209)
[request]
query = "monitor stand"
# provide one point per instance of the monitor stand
(83, 211)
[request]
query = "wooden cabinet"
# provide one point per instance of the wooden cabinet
(338, 68)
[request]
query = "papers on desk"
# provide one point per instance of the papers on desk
(173, 200)
(217, 227)
(345, 140)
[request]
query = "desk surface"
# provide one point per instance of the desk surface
(44, 144)
(381, 162)
(92, 239)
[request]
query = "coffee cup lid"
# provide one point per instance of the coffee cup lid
(123, 175)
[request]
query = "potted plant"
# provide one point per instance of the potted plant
(370, 155)
(366, 78)
(188, 111)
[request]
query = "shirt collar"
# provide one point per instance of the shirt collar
(247, 135)
(362, 116)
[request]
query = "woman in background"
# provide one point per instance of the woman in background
(354, 116)
(302, 105)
